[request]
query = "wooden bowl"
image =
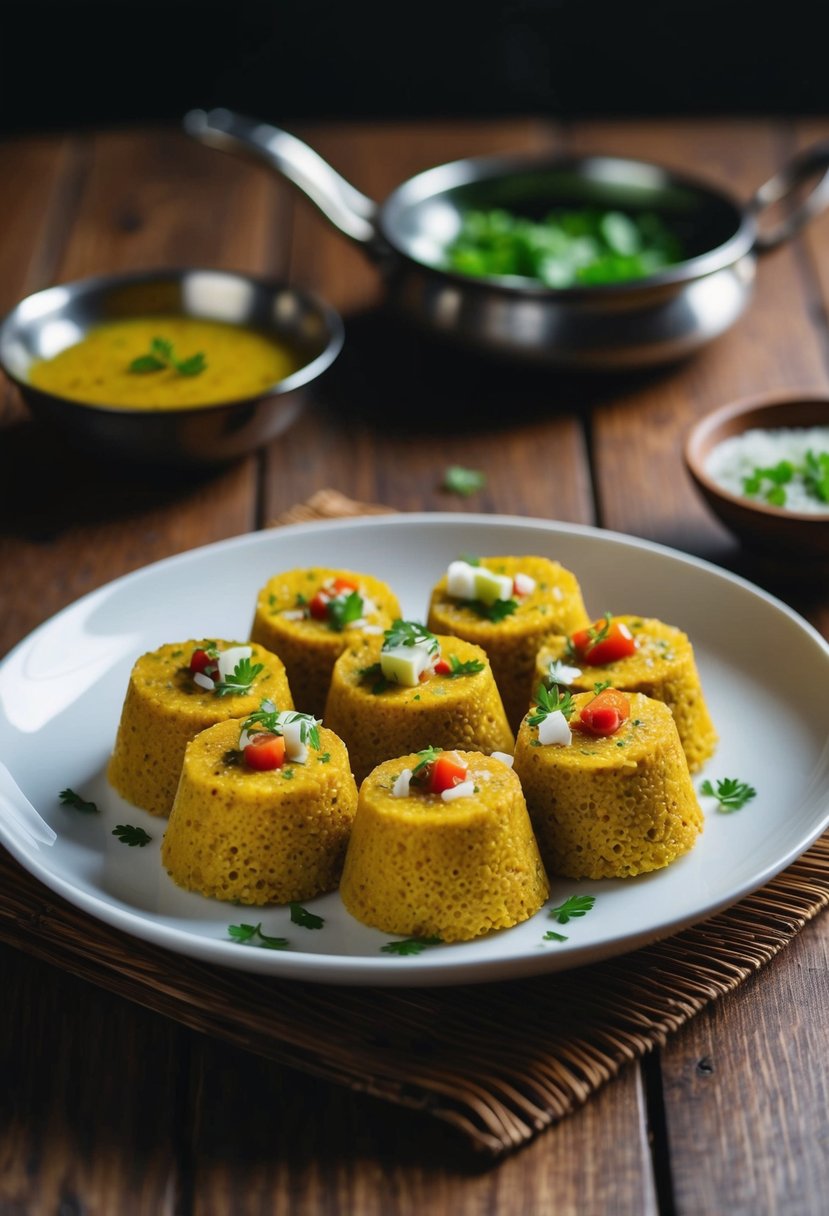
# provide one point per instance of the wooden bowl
(758, 523)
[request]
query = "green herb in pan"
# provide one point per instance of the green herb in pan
(566, 249)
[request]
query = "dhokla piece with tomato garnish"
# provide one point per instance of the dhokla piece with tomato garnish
(636, 654)
(509, 606)
(607, 783)
(442, 847)
(175, 692)
(308, 617)
(410, 689)
(263, 811)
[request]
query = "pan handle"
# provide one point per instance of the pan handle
(799, 170)
(347, 209)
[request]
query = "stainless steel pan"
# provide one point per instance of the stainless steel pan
(640, 323)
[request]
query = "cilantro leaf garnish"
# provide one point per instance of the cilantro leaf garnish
(161, 355)
(598, 633)
(496, 611)
(409, 633)
(238, 682)
(305, 919)
(128, 834)
(343, 610)
(273, 720)
(816, 475)
(253, 935)
(550, 700)
(469, 667)
(375, 674)
(470, 559)
(769, 482)
(730, 793)
(427, 756)
(459, 480)
(573, 907)
(69, 798)
(552, 936)
(601, 685)
(410, 945)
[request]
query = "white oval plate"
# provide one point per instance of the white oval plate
(764, 671)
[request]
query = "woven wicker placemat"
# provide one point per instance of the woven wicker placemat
(444, 1051)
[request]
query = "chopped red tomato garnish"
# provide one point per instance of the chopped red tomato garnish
(447, 771)
(318, 607)
(604, 714)
(605, 642)
(265, 751)
(442, 667)
(200, 659)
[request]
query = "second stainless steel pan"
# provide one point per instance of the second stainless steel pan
(621, 325)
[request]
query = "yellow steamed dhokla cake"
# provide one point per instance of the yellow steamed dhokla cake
(607, 805)
(309, 616)
(171, 696)
(509, 606)
(260, 836)
(636, 654)
(420, 865)
(409, 689)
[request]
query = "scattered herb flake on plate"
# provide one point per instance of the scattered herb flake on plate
(252, 935)
(573, 907)
(730, 793)
(305, 919)
(127, 833)
(410, 945)
(69, 798)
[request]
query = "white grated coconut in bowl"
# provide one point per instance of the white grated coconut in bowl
(737, 458)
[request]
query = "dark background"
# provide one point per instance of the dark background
(77, 63)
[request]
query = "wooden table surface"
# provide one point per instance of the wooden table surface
(106, 1108)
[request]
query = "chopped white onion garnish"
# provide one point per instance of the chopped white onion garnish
(400, 789)
(244, 740)
(555, 730)
(557, 593)
(460, 580)
(229, 658)
(295, 749)
(465, 790)
(504, 757)
(369, 606)
(562, 673)
(203, 681)
(373, 629)
(293, 614)
(268, 707)
(524, 584)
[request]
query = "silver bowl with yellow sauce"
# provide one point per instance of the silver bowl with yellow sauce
(169, 367)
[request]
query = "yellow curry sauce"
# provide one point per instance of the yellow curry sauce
(238, 363)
